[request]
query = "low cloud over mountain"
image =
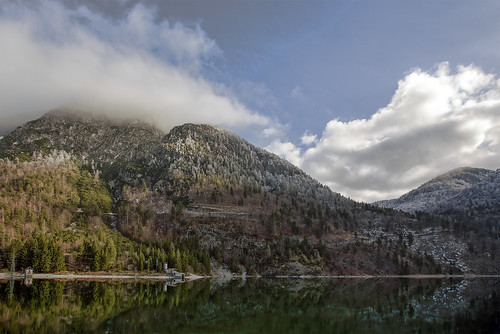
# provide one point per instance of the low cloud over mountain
(132, 67)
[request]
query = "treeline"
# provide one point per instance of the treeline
(42, 252)
(55, 216)
(103, 251)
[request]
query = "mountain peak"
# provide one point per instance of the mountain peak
(438, 192)
(195, 130)
(82, 133)
(462, 176)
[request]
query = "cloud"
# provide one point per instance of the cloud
(137, 66)
(286, 150)
(308, 139)
(436, 121)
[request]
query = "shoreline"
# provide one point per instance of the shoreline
(117, 276)
(192, 277)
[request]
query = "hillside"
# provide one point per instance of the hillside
(479, 203)
(434, 193)
(464, 194)
(203, 199)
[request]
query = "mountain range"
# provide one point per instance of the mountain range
(119, 195)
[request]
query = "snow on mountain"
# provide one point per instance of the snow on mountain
(438, 193)
(480, 202)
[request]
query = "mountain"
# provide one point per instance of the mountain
(479, 203)
(104, 194)
(85, 135)
(122, 148)
(466, 194)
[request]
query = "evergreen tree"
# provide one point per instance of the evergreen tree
(141, 260)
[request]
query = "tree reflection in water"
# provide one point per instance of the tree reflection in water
(252, 306)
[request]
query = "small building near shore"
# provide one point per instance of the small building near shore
(172, 272)
(28, 272)
(28, 276)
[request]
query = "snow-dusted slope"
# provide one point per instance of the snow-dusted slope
(439, 193)
(479, 202)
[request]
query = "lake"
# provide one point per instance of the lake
(342, 305)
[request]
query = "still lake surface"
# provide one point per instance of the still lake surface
(375, 305)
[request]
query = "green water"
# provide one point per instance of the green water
(253, 306)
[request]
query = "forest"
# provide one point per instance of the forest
(54, 216)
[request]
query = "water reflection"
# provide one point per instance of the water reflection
(28, 281)
(252, 306)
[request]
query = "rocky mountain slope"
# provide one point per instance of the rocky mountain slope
(205, 200)
(83, 134)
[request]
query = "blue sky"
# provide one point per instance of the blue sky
(370, 97)
(345, 57)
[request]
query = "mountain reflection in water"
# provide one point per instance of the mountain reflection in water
(253, 306)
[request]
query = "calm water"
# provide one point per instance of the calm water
(253, 306)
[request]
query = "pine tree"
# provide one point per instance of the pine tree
(109, 254)
(178, 260)
(141, 260)
(57, 257)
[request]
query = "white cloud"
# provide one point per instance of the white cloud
(134, 67)
(435, 122)
(308, 139)
(272, 132)
(286, 150)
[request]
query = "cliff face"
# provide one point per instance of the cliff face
(206, 199)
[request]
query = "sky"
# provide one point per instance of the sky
(372, 98)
